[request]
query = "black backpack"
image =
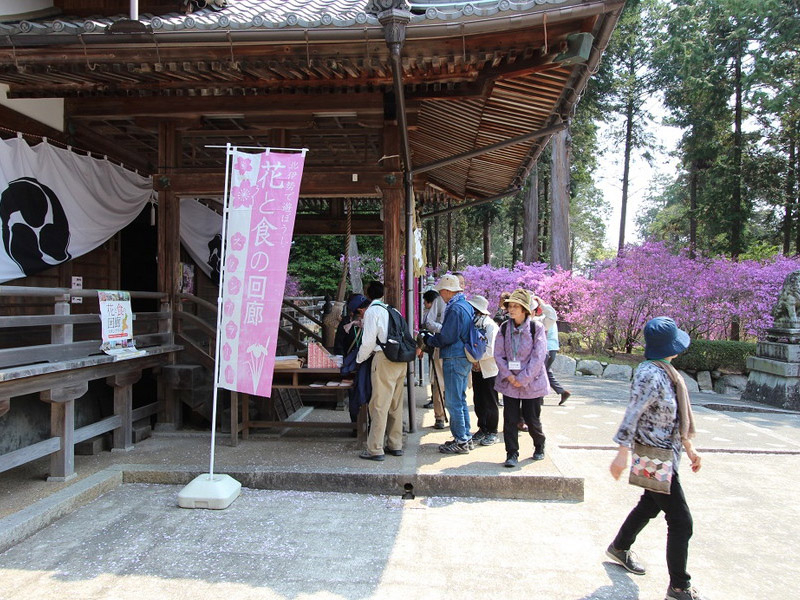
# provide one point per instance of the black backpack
(399, 346)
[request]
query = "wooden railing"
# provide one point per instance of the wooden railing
(59, 372)
(195, 325)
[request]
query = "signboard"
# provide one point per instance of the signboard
(116, 319)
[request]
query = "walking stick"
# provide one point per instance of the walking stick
(439, 387)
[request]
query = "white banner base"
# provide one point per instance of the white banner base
(216, 491)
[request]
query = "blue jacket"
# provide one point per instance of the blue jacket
(455, 328)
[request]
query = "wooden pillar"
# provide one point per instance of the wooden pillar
(530, 227)
(559, 201)
(123, 407)
(62, 426)
(393, 201)
(168, 211)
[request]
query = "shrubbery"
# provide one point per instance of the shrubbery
(609, 306)
(709, 355)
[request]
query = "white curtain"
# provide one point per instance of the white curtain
(199, 226)
(57, 205)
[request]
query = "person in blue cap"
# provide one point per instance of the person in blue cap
(659, 414)
(348, 341)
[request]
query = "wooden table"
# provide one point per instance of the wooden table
(290, 379)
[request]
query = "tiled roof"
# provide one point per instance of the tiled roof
(279, 14)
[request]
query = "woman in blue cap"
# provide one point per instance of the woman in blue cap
(659, 415)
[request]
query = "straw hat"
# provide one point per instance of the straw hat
(521, 297)
(480, 304)
(449, 282)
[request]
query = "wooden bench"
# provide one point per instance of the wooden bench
(60, 373)
(299, 380)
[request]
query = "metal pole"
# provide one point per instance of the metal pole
(394, 23)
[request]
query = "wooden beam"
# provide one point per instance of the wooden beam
(273, 105)
(11, 119)
(89, 140)
(320, 225)
(323, 183)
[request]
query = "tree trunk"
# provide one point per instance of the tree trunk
(530, 225)
(514, 233)
(693, 168)
(789, 209)
(559, 201)
(626, 172)
(449, 237)
(436, 244)
(737, 224)
(544, 210)
(487, 241)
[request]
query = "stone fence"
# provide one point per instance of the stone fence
(702, 381)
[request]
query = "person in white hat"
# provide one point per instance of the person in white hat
(484, 395)
(455, 366)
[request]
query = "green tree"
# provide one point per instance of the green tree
(627, 86)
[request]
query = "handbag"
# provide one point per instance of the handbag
(651, 468)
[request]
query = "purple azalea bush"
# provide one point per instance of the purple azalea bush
(611, 303)
(292, 288)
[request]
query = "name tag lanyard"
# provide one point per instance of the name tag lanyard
(515, 365)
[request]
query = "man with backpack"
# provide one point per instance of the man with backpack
(386, 401)
(455, 365)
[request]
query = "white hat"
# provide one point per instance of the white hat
(449, 282)
(480, 303)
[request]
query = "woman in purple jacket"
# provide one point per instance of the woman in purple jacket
(521, 352)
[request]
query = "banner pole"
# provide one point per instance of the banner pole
(206, 490)
(223, 251)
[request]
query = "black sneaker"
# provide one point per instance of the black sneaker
(564, 395)
(688, 594)
(439, 425)
(367, 456)
(511, 461)
(538, 455)
(428, 404)
(470, 444)
(478, 436)
(398, 452)
(454, 447)
(489, 439)
(627, 559)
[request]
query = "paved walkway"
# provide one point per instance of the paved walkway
(133, 542)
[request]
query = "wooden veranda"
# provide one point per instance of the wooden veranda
(400, 103)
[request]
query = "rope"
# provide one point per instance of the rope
(346, 265)
(69, 147)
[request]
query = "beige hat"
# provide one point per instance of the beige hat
(449, 282)
(480, 303)
(521, 297)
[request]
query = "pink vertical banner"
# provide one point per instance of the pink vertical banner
(261, 209)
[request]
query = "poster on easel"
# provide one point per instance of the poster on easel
(116, 322)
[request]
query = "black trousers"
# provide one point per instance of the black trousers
(679, 528)
(484, 397)
(557, 387)
(531, 411)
